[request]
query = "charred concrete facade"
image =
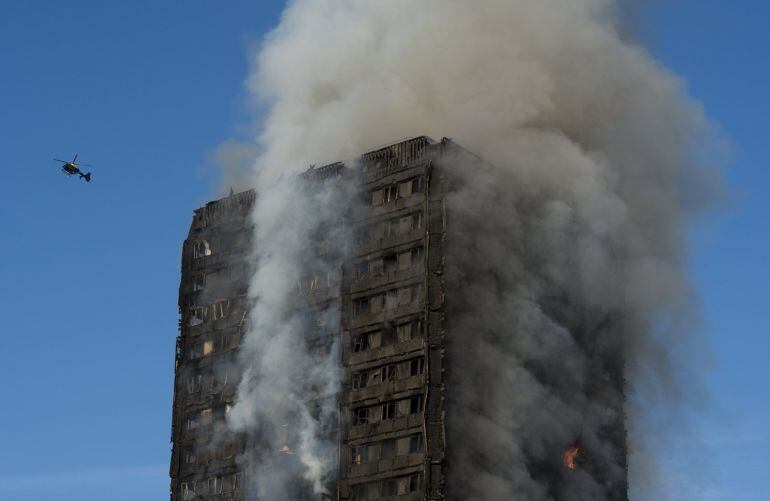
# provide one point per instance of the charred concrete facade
(388, 294)
(213, 310)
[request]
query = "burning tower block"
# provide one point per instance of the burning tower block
(442, 395)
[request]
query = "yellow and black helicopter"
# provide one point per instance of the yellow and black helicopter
(72, 168)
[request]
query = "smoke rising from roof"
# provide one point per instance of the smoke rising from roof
(595, 183)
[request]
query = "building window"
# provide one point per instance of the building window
(194, 383)
(391, 299)
(417, 184)
(188, 490)
(360, 416)
(208, 347)
(415, 404)
(416, 256)
(360, 343)
(415, 444)
(361, 306)
(197, 315)
(201, 249)
(416, 367)
(391, 193)
(417, 220)
(358, 455)
(221, 308)
(215, 485)
(361, 270)
(198, 281)
(206, 417)
(192, 422)
(359, 379)
(189, 456)
(361, 235)
(388, 411)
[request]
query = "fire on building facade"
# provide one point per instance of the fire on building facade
(389, 297)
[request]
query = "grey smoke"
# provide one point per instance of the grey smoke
(575, 238)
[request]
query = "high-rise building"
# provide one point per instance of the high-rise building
(389, 296)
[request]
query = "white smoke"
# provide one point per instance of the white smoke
(589, 131)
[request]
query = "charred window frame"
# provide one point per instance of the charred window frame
(390, 263)
(197, 282)
(361, 306)
(360, 343)
(389, 411)
(201, 248)
(188, 490)
(360, 416)
(417, 256)
(359, 379)
(358, 455)
(415, 404)
(417, 185)
(416, 366)
(361, 270)
(194, 383)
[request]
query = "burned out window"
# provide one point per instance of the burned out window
(191, 423)
(375, 377)
(360, 343)
(197, 315)
(196, 351)
(377, 197)
(417, 256)
(416, 184)
(416, 366)
(362, 235)
(416, 220)
(388, 449)
(361, 270)
(221, 309)
(389, 487)
(208, 347)
(206, 416)
(188, 490)
(391, 299)
(360, 416)
(415, 444)
(231, 341)
(392, 227)
(390, 193)
(390, 263)
(215, 485)
(228, 483)
(359, 379)
(361, 306)
(189, 456)
(415, 293)
(415, 404)
(358, 455)
(201, 249)
(198, 281)
(194, 383)
(389, 411)
(389, 372)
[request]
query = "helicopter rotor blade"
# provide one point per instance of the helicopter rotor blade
(62, 161)
(75, 159)
(85, 165)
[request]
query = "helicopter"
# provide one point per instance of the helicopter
(72, 168)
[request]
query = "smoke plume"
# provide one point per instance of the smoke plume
(572, 245)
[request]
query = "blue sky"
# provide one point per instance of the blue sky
(145, 90)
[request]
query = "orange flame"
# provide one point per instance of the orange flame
(569, 457)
